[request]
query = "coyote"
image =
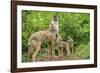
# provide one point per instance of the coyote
(67, 46)
(71, 44)
(37, 38)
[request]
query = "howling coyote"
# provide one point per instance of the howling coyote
(37, 38)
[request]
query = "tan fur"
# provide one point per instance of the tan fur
(65, 46)
(36, 40)
(50, 36)
(54, 24)
(71, 44)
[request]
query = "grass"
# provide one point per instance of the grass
(83, 51)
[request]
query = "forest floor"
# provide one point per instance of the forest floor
(59, 58)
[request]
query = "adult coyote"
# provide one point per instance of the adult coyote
(37, 38)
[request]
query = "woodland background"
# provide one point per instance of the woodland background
(76, 25)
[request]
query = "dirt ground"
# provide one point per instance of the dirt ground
(59, 58)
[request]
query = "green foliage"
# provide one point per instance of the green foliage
(83, 51)
(76, 25)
